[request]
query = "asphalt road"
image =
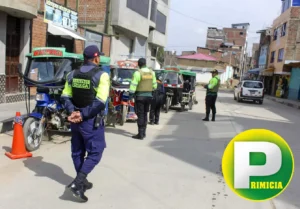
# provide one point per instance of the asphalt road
(176, 167)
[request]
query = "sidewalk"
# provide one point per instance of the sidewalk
(290, 103)
(8, 112)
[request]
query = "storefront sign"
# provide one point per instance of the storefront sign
(60, 16)
(48, 52)
(296, 3)
(263, 56)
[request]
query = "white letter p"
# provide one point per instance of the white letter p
(242, 168)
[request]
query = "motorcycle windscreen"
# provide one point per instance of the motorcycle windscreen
(173, 78)
(49, 70)
(123, 76)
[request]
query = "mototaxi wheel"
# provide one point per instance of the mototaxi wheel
(182, 107)
(168, 100)
(124, 115)
(191, 103)
(32, 140)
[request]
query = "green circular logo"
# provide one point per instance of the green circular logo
(258, 165)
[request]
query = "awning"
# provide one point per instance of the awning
(59, 31)
(255, 71)
(267, 72)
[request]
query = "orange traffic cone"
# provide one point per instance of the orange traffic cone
(18, 146)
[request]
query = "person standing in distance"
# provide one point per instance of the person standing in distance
(211, 95)
(84, 96)
(142, 86)
(157, 102)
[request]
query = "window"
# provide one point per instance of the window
(253, 85)
(93, 39)
(272, 56)
(275, 34)
(280, 55)
(241, 33)
(161, 21)
(139, 6)
(154, 52)
(153, 11)
(283, 29)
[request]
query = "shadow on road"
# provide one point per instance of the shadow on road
(202, 144)
(118, 131)
(49, 170)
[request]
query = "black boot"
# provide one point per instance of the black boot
(213, 117)
(77, 187)
(144, 131)
(206, 118)
(140, 135)
(87, 185)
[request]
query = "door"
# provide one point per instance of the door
(12, 54)
(294, 84)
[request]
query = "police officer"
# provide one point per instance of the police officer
(157, 102)
(84, 96)
(211, 95)
(142, 85)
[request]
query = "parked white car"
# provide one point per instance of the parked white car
(249, 90)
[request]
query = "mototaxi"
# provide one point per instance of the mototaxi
(45, 73)
(121, 75)
(173, 84)
(189, 87)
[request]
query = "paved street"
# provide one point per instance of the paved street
(176, 167)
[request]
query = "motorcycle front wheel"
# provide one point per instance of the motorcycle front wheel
(30, 129)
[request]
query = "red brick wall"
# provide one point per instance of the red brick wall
(215, 54)
(95, 11)
(213, 44)
(71, 4)
(106, 45)
(233, 36)
(39, 30)
(78, 44)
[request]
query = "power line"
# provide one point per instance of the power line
(194, 18)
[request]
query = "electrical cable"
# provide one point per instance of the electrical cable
(194, 18)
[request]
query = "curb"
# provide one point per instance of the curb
(284, 102)
(7, 125)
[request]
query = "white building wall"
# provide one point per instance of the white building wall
(126, 18)
(24, 42)
(2, 42)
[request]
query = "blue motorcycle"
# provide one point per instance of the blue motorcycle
(46, 71)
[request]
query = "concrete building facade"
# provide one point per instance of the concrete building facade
(284, 47)
(138, 28)
(15, 24)
(232, 42)
(26, 24)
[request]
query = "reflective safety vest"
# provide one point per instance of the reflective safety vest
(215, 89)
(83, 87)
(146, 82)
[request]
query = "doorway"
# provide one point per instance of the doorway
(13, 36)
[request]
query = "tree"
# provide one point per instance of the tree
(160, 56)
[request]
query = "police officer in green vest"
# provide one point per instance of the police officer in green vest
(211, 95)
(142, 86)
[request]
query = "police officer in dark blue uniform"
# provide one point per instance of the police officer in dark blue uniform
(157, 102)
(84, 96)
